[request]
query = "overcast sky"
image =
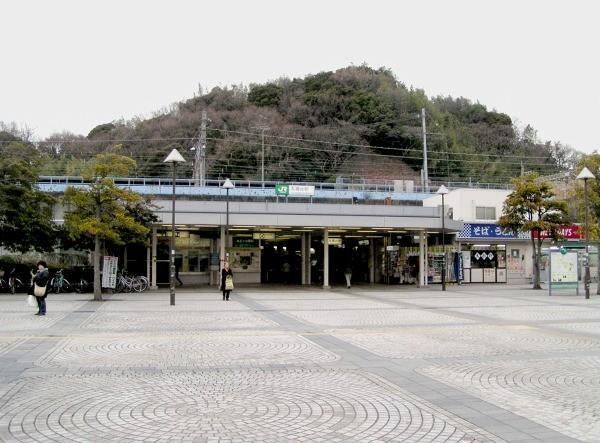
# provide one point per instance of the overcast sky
(70, 65)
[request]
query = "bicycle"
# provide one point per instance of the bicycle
(127, 283)
(83, 286)
(59, 283)
(14, 283)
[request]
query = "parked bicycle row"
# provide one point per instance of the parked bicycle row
(15, 279)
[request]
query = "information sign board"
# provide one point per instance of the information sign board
(282, 190)
(302, 190)
(109, 272)
(285, 190)
(563, 271)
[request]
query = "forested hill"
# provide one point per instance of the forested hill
(354, 122)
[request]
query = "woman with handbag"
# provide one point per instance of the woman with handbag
(226, 281)
(40, 286)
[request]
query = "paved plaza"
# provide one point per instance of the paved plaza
(374, 364)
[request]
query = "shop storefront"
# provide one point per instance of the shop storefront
(493, 254)
(572, 240)
(400, 259)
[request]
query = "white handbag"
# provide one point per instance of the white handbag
(229, 283)
(39, 291)
(31, 301)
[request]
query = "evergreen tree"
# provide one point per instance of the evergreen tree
(532, 207)
(105, 212)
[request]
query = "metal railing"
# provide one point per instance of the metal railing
(400, 186)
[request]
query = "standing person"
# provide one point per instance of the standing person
(348, 271)
(177, 265)
(41, 279)
(286, 268)
(226, 281)
(348, 275)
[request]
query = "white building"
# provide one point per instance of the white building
(490, 254)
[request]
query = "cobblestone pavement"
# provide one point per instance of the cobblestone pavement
(373, 364)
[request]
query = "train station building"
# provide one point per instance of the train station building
(382, 233)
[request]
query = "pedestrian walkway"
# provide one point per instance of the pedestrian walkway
(472, 364)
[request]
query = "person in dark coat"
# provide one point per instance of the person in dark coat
(177, 265)
(225, 272)
(42, 279)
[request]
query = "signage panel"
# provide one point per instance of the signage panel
(285, 190)
(563, 270)
(466, 259)
(282, 189)
(487, 231)
(573, 232)
(302, 190)
(263, 236)
(109, 272)
(244, 242)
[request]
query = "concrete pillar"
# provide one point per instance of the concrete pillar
(372, 261)
(153, 284)
(222, 258)
(309, 265)
(211, 273)
(422, 259)
(148, 261)
(326, 258)
(303, 254)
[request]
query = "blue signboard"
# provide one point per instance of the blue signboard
(458, 267)
(488, 230)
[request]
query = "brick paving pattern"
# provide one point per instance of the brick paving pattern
(563, 394)
(246, 348)
(475, 364)
(465, 341)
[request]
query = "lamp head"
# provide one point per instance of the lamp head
(228, 184)
(442, 190)
(174, 157)
(585, 174)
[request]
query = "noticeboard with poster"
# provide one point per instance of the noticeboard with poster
(501, 259)
(244, 259)
(466, 259)
(563, 270)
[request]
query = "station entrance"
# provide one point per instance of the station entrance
(296, 256)
(345, 254)
(281, 260)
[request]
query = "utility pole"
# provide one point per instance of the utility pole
(200, 157)
(424, 131)
(262, 129)
(262, 159)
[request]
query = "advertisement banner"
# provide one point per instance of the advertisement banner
(573, 232)
(487, 231)
(109, 272)
(458, 267)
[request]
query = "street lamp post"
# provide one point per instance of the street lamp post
(443, 191)
(585, 175)
(174, 157)
(227, 185)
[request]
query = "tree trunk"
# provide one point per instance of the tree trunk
(97, 282)
(536, 264)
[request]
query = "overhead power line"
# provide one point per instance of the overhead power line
(272, 136)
